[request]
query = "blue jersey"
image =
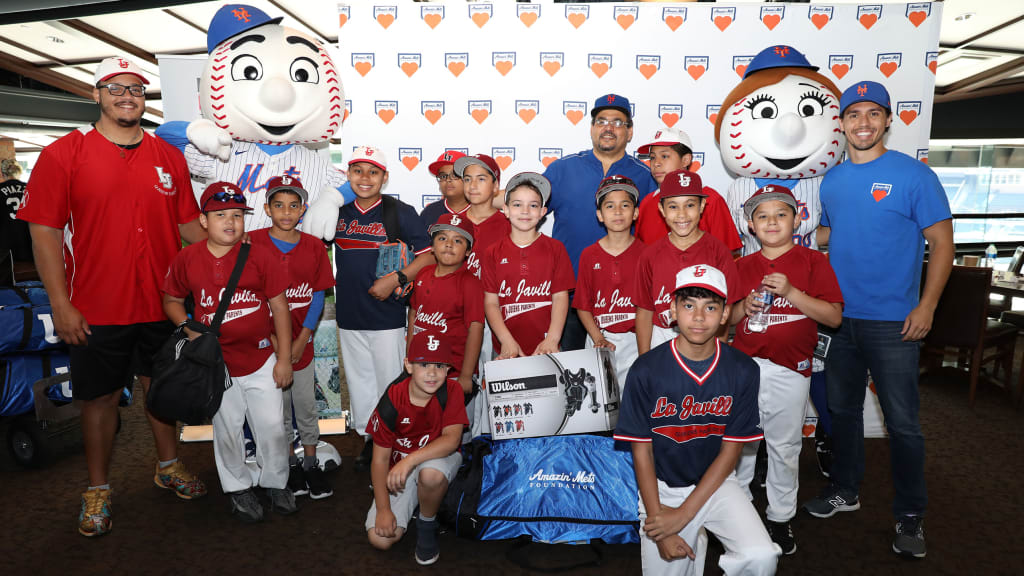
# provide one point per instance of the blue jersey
(574, 181)
(686, 415)
(431, 212)
(876, 212)
(359, 235)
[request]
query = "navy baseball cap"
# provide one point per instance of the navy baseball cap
(866, 91)
(612, 101)
(778, 56)
(232, 20)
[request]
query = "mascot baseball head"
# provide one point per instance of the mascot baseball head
(267, 83)
(781, 120)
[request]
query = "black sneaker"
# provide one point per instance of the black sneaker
(823, 454)
(296, 480)
(315, 479)
(282, 501)
(246, 507)
(365, 457)
(909, 537)
(782, 534)
(427, 548)
(831, 501)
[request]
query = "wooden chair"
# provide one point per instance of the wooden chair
(961, 321)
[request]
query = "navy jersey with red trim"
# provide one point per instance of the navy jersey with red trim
(359, 234)
(687, 416)
(435, 210)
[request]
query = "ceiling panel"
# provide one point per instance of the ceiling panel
(152, 30)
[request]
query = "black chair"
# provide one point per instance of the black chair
(1017, 319)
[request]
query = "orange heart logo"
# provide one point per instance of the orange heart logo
(456, 68)
(432, 116)
(723, 22)
(695, 166)
(868, 20)
(432, 20)
(771, 20)
(908, 116)
(648, 70)
(925, 159)
(599, 68)
(577, 19)
(574, 116)
(878, 195)
(819, 20)
(410, 162)
(695, 71)
(342, 18)
(363, 68)
(713, 117)
(552, 67)
(888, 68)
(503, 66)
(547, 160)
(527, 114)
(410, 68)
(840, 70)
(917, 18)
(503, 161)
(479, 115)
(345, 115)
(741, 69)
(386, 20)
(624, 20)
(674, 22)
(481, 18)
(528, 18)
(808, 430)
(933, 65)
(386, 115)
(670, 119)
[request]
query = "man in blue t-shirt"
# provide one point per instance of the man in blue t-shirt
(879, 207)
(575, 179)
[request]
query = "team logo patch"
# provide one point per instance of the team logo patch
(166, 182)
(684, 181)
(503, 156)
(363, 62)
(740, 63)
(698, 161)
(432, 343)
(385, 15)
(410, 157)
(456, 220)
(574, 111)
(918, 12)
(343, 14)
(409, 63)
(503, 62)
(479, 110)
(626, 15)
(648, 65)
(696, 66)
(922, 155)
(723, 17)
(673, 17)
(889, 63)
(480, 14)
(528, 13)
(432, 110)
(432, 15)
(552, 62)
(711, 112)
(669, 114)
(577, 14)
(456, 62)
(548, 155)
(819, 15)
(599, 64)
(772, 15)
(908, 111)
(386, 110)
(840, 64)
(931, 60)
(427, 199)
(869, 14)
(880, 191)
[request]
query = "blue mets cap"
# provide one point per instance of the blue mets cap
(866, 91)
(612, 101)
(779, 56)
(232, 20)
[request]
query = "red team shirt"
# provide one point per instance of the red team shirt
(309, 270)
(245, 331)
(605, 285)
(715, 220)
(791, 336)
(448, 305)
(486, 234)
(525, 280)
(662, 261)
(122, 216)
(416, 426)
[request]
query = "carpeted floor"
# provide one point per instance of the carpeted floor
(974, 472)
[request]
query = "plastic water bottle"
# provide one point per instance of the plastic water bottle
(990, 255)
(759, 321)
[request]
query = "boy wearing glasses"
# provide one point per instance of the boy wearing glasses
(450, 184)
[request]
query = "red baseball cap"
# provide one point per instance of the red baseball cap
(430, 348)
(447, 158)
(766, 193)
(286, 184)
(455, 223)
(682, 183)
(223, 196)
(479, 160)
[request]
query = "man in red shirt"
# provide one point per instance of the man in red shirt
(108, 206)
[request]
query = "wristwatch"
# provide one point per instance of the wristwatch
(402, 278)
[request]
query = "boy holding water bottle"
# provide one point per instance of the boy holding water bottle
(791, 289)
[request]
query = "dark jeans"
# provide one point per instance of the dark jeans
(860, 346)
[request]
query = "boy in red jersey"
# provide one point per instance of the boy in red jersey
(257, 373)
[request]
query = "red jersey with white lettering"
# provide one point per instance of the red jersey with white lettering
(525, 279)
(416, 426)
(605, 284)
(487, 233)
(245, 331)
(309, 270)
(791, 336)
(448, 305)
(120, 211)
(662, 261)
(715, 220)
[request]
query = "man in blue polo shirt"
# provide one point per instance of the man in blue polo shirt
(574, 180)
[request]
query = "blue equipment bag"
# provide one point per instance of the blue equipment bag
(26, 320)
(24, 294)
(20, 372)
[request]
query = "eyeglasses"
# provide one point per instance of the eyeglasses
(616, 123)
(118, 89)
(442, 176)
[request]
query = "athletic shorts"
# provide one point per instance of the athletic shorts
(114, 355)
(405, 502)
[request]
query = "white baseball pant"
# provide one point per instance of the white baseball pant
(372, 359)
(661, 335)
(476, 410)
(625, 352)
(256, 399)
(729, 516)
(781, 402)
(302, 395)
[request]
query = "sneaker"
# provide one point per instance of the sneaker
(831, 501)
(823, 454)
(282, 501)
(175, 477)
(319, 487)
(782, 534)
(246, 507)
(365, 457)
(94, 519)
(297, 480)
(427, 548)
(909, 537)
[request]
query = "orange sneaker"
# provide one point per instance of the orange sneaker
(175, 477)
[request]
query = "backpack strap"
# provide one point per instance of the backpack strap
(389, 217)
(229, 291)
(386, 411)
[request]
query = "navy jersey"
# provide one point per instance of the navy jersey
(685, 415)
(360, 233)
(435, 210)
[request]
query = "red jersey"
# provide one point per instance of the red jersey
(245, 331)
(525, 279)
(416, 426)
(448, 305)
(604, 286)
(662, 261)
(120, 211)
(309, 270)
(791, 336)
(715, 220)
(487, 233)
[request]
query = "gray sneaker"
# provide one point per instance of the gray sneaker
(909, 537)
(282, 501)
(246, 507)
(831, 501)
(428, 550)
